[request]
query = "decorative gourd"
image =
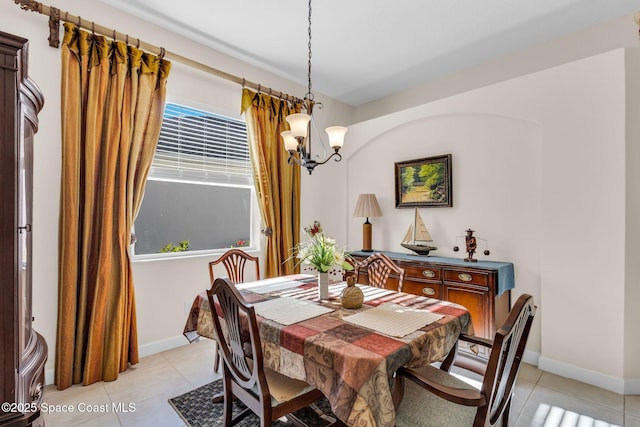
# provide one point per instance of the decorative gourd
(352, 296)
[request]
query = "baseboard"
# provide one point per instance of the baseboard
(143, 350)
(49, 376)
(162, 345)
(632, 386)
(607, 382)
(531, 357)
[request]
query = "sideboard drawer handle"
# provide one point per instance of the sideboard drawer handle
(428, 273)
(465, 277)
(428, 291)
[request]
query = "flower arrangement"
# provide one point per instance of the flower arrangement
(321, 251)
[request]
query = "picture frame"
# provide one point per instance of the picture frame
(425, 182)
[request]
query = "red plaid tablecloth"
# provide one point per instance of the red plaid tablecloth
(352, 365)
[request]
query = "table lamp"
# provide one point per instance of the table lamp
(366, 207)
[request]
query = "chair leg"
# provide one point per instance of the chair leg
(505, 414)
(331, 420)
(398, 391)
(295, 421)
(218, 397)
(228, 402)
(448, 361)
(216, 358)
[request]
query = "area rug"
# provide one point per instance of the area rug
(197, 410)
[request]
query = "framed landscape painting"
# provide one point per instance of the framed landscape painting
(424, 182)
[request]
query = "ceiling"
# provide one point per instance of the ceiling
(364, 50)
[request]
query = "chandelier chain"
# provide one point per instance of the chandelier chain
(309, 94)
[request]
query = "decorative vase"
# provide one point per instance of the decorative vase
(323, 285)
(352, 296)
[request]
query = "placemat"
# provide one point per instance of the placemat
(393, 319)
(287, 311)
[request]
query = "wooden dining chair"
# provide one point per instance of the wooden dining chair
(265, 392)
(379, 267)
(234, 261)
(450, 401)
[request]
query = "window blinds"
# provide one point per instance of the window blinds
(202, 146)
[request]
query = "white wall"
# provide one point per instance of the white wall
(539, 171)
(632, 294)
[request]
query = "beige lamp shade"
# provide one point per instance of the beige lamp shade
(367, 207)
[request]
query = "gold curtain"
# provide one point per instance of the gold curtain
(112, 104)
(277, 183)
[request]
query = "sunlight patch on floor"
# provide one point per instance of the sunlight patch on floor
(554, 416)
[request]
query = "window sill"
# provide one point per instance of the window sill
(188, 255)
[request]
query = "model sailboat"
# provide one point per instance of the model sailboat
(416, 237)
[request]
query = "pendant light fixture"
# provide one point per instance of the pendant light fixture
(297, 141)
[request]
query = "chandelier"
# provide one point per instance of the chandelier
(297, 141)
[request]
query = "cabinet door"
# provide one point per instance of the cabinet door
(475, 299)
(25, 190)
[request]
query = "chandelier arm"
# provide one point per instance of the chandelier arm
(293, 160)
(335, 154)
(303, 153)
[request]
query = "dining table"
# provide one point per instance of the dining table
(351, 355)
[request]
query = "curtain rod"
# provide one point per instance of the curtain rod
(55, 16)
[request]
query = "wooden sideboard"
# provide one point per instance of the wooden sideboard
(482, 287)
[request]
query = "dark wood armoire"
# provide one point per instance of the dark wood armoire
(23, 352)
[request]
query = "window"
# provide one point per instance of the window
(199, 195)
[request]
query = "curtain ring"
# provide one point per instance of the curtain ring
(127, 40)
(258, 87)
(138, 44)
(162, 51)
(243, 82)
(79, 21)
(114, 35)
(66, 16)
(93, 28)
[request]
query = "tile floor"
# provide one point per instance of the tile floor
(541, 399)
